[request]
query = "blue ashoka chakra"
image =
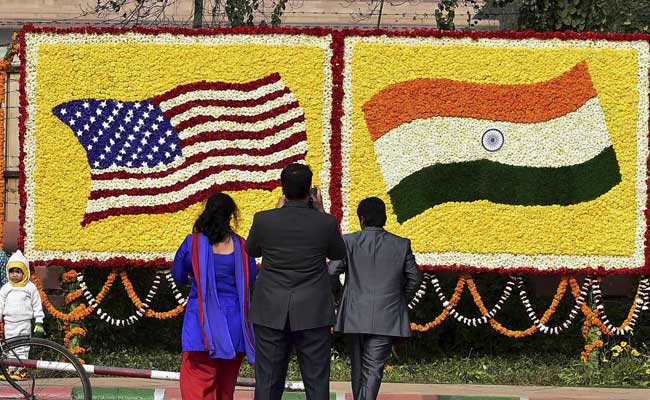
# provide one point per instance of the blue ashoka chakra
(492, 140)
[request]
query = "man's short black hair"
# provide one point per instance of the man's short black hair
(296, 181)
(373, 211)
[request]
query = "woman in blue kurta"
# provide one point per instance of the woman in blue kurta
(216, 332)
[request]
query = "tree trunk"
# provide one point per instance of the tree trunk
(198, 14)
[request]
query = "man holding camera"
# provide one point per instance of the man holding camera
(292, 303)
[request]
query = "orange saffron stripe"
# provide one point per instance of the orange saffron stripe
(526, 103)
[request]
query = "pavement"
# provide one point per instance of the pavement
(125, 388)
(113, 388)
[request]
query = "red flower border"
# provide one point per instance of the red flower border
(337, 64)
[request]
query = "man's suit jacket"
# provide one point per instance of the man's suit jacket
(380, 274)
(293, 283)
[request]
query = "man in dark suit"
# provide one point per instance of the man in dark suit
(380, 275)
(292, 303)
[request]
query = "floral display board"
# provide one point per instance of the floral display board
(508, 152)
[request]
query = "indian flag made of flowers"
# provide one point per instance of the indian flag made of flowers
(439, 140)
(501, 154)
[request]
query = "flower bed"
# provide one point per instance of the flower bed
(508, 152)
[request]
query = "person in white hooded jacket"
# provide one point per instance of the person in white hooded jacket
(20, 302)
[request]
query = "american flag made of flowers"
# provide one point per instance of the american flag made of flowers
(167, 152)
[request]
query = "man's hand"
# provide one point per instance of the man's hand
(39, 332)
(317, 200)
(281, 202)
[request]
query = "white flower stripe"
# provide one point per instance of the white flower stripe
(215, 126)
(568, 140)
(538, 261)
(203, 147)
(217, 111)
(118, 202)
(186, 173)
(230, 94)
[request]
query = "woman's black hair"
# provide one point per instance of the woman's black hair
(214, 221)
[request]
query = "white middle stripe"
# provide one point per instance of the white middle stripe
(568, 140)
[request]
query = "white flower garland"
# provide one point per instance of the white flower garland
(590, 282)
(130, 320)
(641, 305)
(584, 290)
(476, 320)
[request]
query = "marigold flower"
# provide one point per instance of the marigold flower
(635, 353)
(623, 344)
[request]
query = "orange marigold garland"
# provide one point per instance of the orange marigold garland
(128, 286)
(72, 296)
(78, 313)
(575, 310)
(522, 333)
(458, 291)
(590, 332)
(166, 314)
(640, 302)
(587, 311)
(142, 307)
(74, 331)
(77, 350)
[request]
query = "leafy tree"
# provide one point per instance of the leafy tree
(446, 12)
(507, 14)
(205, 13)
(579, 15)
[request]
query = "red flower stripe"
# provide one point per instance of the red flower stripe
(172, 112)
(173, 207)
(646, 242)
(21, 140)
(236, 135)
(203, 85)
(336, 171)
(98, 194)
(242, 119)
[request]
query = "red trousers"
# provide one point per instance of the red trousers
(205, 378)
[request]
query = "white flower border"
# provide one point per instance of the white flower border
(506, 260)
(34, 40)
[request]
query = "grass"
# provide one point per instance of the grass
(538, 369)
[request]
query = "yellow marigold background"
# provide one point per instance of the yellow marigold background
(605, 226)
(133, 72)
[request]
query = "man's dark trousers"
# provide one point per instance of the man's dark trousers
(369, 355)
(273, 347)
